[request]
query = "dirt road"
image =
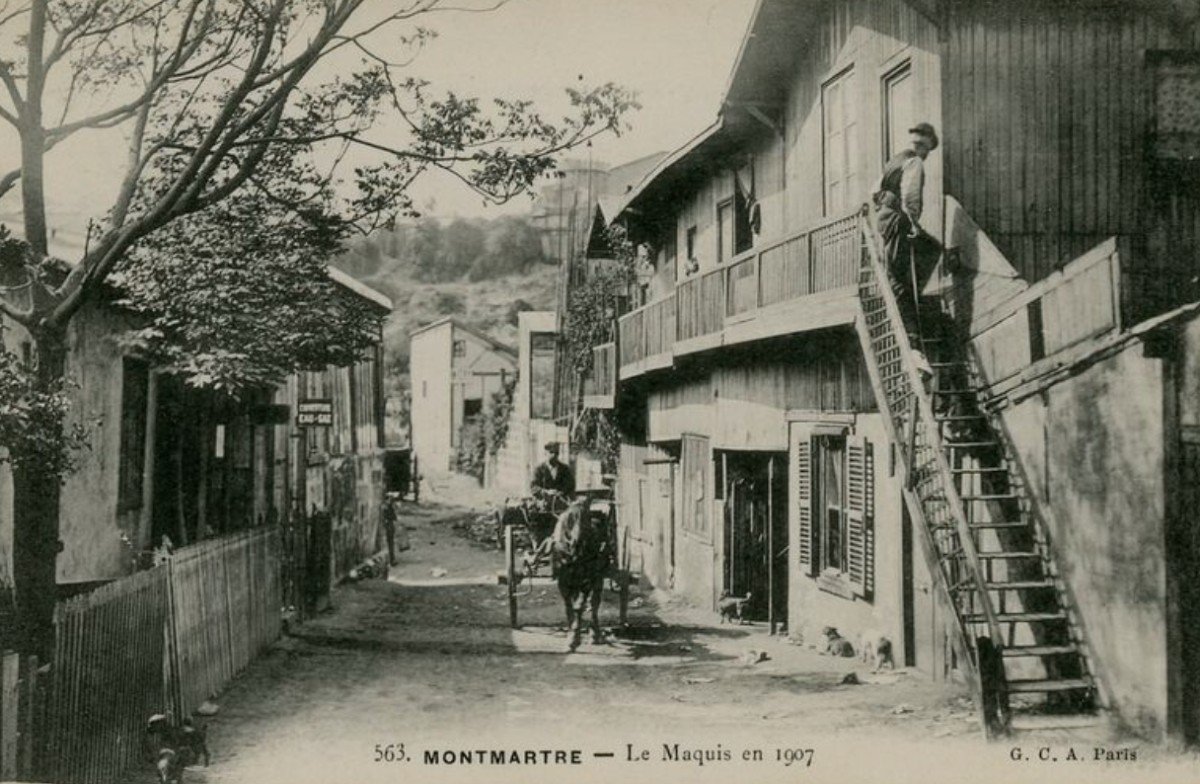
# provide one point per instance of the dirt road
(426, 664)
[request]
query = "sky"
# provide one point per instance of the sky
(676, 54)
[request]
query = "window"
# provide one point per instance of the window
(839, 139)
(829, 501)
(833, 503)
(460, 348)
(670, 247)
(424, 389)
(899, 109)
(743, 204)
(542, 347)
(135, 380)
(725, 231)
(1176, 104)
(692, 263)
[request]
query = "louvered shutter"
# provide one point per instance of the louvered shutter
(860, 503)
(801, 497)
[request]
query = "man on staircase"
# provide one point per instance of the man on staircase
(909, 252)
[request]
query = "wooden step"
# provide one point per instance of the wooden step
(969, 444)
(1023, 617)
(996, 497)
(1008, 556)
(992, 470)
(998, 524)
(958, 417)
(1050, 722)
(1020, 585)
(1048, 685)
(1016, 651)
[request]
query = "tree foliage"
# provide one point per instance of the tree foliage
(234, 193)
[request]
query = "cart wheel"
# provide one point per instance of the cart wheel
(510, 558)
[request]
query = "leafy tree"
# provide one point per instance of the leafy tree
(426, 249)
(224, 111)
(463, 243)
(513, 246)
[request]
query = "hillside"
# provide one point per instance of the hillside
(504, 256)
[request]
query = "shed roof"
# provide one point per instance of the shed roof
(454, 322)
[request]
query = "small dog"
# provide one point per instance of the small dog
(836, 644)
(174, 747)
(732, 607)
(875, 649)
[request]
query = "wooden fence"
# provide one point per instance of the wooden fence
(109, 676)
(226, 596)
(1077, 303)
(169, 637)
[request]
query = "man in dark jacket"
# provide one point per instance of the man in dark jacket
(909, 253)
(552, 475)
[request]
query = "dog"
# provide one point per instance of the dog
(875, 649)
(732, 607)
(836, 644)
(174, 747)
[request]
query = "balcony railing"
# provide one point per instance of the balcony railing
(648, 331)
(822, 258)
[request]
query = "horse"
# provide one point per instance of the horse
(582, 553)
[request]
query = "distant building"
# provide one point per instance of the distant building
(455, 370)
(532, 424)
(565, 203)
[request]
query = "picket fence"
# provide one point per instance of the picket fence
(169, 637)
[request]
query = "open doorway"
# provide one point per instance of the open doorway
(756, 541)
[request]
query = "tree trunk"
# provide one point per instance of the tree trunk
(36, 499)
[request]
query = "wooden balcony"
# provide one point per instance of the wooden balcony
(806, 281)
(600, 385)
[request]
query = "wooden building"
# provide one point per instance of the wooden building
(779, 440)
(166, 459)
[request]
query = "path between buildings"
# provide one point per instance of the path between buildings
(426, 660)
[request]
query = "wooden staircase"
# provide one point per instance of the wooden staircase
(1008, 615)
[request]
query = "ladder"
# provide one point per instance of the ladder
(1008, 615)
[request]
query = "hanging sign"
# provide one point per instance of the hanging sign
(314, 413)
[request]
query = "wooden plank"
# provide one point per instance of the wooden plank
(10, 666)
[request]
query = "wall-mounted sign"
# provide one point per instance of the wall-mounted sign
(314, 413)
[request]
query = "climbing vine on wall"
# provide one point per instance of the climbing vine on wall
(483, 436)
(499, 413)
(592, 305)
(596, 435)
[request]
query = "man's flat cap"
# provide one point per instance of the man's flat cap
(926, 130)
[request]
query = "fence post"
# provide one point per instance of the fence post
(9, 706)
(174, 678)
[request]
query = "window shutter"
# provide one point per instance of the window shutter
(860, 500)
(801, 492)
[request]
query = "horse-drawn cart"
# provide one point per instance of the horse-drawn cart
(525, 527)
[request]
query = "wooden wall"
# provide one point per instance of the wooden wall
(867, 36)
(870, 37)
(740, 391)
(1048, 112)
